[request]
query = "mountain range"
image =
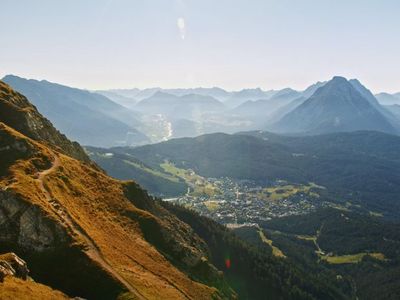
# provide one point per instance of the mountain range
(338, 106)
(88, 235)
(190, 106)
(86, 117)
(85, 234)
(134, 117)
(388, 99)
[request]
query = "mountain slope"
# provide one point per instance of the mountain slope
(89, 118)
(187, 106)
(92, 236)
(117, 98)
(388, 99)
(360, 167)
(336, 106)
(58, 211)
(18, 113)
(265, 109)
(239, 97)
(125, 167)
(390, 116)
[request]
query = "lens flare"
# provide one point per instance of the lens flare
(228, 263)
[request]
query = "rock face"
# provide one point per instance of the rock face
(12, 265)
(19, 114)
(26, 225)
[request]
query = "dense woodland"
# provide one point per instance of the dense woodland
(341, 233)
(253, 270)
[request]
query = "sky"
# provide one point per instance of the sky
(233, 44)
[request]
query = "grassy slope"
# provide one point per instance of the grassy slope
(99, 206)
(14, 288)
(125, 167)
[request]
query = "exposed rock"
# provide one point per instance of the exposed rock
(18, 113)
(12, 265)
(16, 284)
(25, 225)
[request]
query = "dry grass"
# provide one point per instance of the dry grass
(13, 288)
(97, 204)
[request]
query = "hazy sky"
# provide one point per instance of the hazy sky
(234, 44)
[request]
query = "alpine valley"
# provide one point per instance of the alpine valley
(199, 193)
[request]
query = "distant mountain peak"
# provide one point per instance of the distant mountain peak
(339, 105)
(338, 78)
(161, 93)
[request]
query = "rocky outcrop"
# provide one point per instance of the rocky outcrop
(25, 225)
(16, 284)
(18, 113)
(12, 265)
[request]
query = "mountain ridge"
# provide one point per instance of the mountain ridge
(92, 236)
(336, 106)
(106, 123)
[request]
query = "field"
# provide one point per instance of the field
(285, 191)
(211, 205)
(200, 186)
(340, 259)
(152, 171)
(351, 258)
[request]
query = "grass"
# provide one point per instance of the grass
(211, 205)
(375, 214)
(351, 258)
(275, 250)
(199, 184)
(340, 259)
(338, 207)
(15, 288)
(307, 237)
(182, 173)
(286, 191)
(98, 206)
(152, 171)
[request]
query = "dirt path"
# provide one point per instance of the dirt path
(92, 250)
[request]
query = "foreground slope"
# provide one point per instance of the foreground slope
(63, 212)
(64, 208)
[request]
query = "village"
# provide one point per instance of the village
(231, 201)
